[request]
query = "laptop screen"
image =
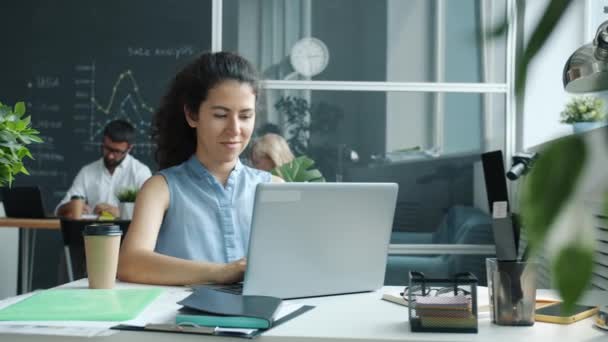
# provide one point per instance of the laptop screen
(23, 202)
(315, 239)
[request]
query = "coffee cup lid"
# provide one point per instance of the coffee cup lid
(102, 229)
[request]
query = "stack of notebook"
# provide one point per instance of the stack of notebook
(213, 312)
(445, 312)
(212, 308)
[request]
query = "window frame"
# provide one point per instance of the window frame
(507, 89)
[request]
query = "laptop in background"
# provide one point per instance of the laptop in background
(24, 202)
(315, 239)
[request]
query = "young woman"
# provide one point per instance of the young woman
(269, 151)
(192, 220)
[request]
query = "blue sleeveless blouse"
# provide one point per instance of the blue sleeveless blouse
(206, 221)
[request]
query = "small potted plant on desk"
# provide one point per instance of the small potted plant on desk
(126, 197)
(584, 113)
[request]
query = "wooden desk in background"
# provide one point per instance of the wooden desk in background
(27, 244)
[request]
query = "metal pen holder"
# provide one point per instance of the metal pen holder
(512, 290)
(442, 305)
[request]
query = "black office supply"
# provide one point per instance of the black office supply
(506, 234)
(209, 307)
(504, 238)
(23, 202)
(494, 176)
(442, 305)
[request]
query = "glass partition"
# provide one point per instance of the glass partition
(360, 40)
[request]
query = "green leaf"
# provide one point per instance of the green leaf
(19, 109)
(572, 271)
(127, 194)
(298, 170)
(35, 139)
(20, 126)
(7, 136)
(606, 204)
(549, 185)
(553, 12)
(15, 134)
(16, 168)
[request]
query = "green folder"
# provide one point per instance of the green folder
(242, 322)
(81, 305)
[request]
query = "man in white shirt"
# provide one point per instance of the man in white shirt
(99, 182)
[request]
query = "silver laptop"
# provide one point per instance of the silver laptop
(314, 239)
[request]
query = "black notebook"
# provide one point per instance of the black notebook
(212, 308)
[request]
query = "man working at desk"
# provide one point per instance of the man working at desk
(99, 181)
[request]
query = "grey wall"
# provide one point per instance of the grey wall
(409, 119)
(462, 118)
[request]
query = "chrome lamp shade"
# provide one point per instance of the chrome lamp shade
(587, 69)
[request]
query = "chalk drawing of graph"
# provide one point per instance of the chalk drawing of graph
(124, 101)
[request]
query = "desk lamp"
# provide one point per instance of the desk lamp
(587, 69)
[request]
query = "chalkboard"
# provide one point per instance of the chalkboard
(80, 64)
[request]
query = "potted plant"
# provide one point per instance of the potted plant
(584, 113)
(312, 129)
(126, 197)
(15, 134)
(299, 170)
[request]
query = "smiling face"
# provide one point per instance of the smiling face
(224, 123)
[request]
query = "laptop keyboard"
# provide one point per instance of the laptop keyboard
(233, 288)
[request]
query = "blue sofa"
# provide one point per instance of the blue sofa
(460, 225)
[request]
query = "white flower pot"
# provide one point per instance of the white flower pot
(126, 210)
(580, 127)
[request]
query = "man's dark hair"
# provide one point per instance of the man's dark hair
(120, 131)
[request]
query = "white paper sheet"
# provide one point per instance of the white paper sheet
(162, 310)
(28, 329)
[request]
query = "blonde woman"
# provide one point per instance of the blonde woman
(269, 151)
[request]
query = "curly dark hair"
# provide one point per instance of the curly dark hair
(175, 139)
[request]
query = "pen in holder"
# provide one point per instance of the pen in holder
(442, 305)
(512, 290)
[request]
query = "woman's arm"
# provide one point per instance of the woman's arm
(140, 264)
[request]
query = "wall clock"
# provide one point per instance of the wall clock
(309, 56)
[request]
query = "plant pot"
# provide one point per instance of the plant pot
(126, 210)
(580, 127)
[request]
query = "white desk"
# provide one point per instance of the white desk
(363, 317)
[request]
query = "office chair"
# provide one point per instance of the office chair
(73, 244)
